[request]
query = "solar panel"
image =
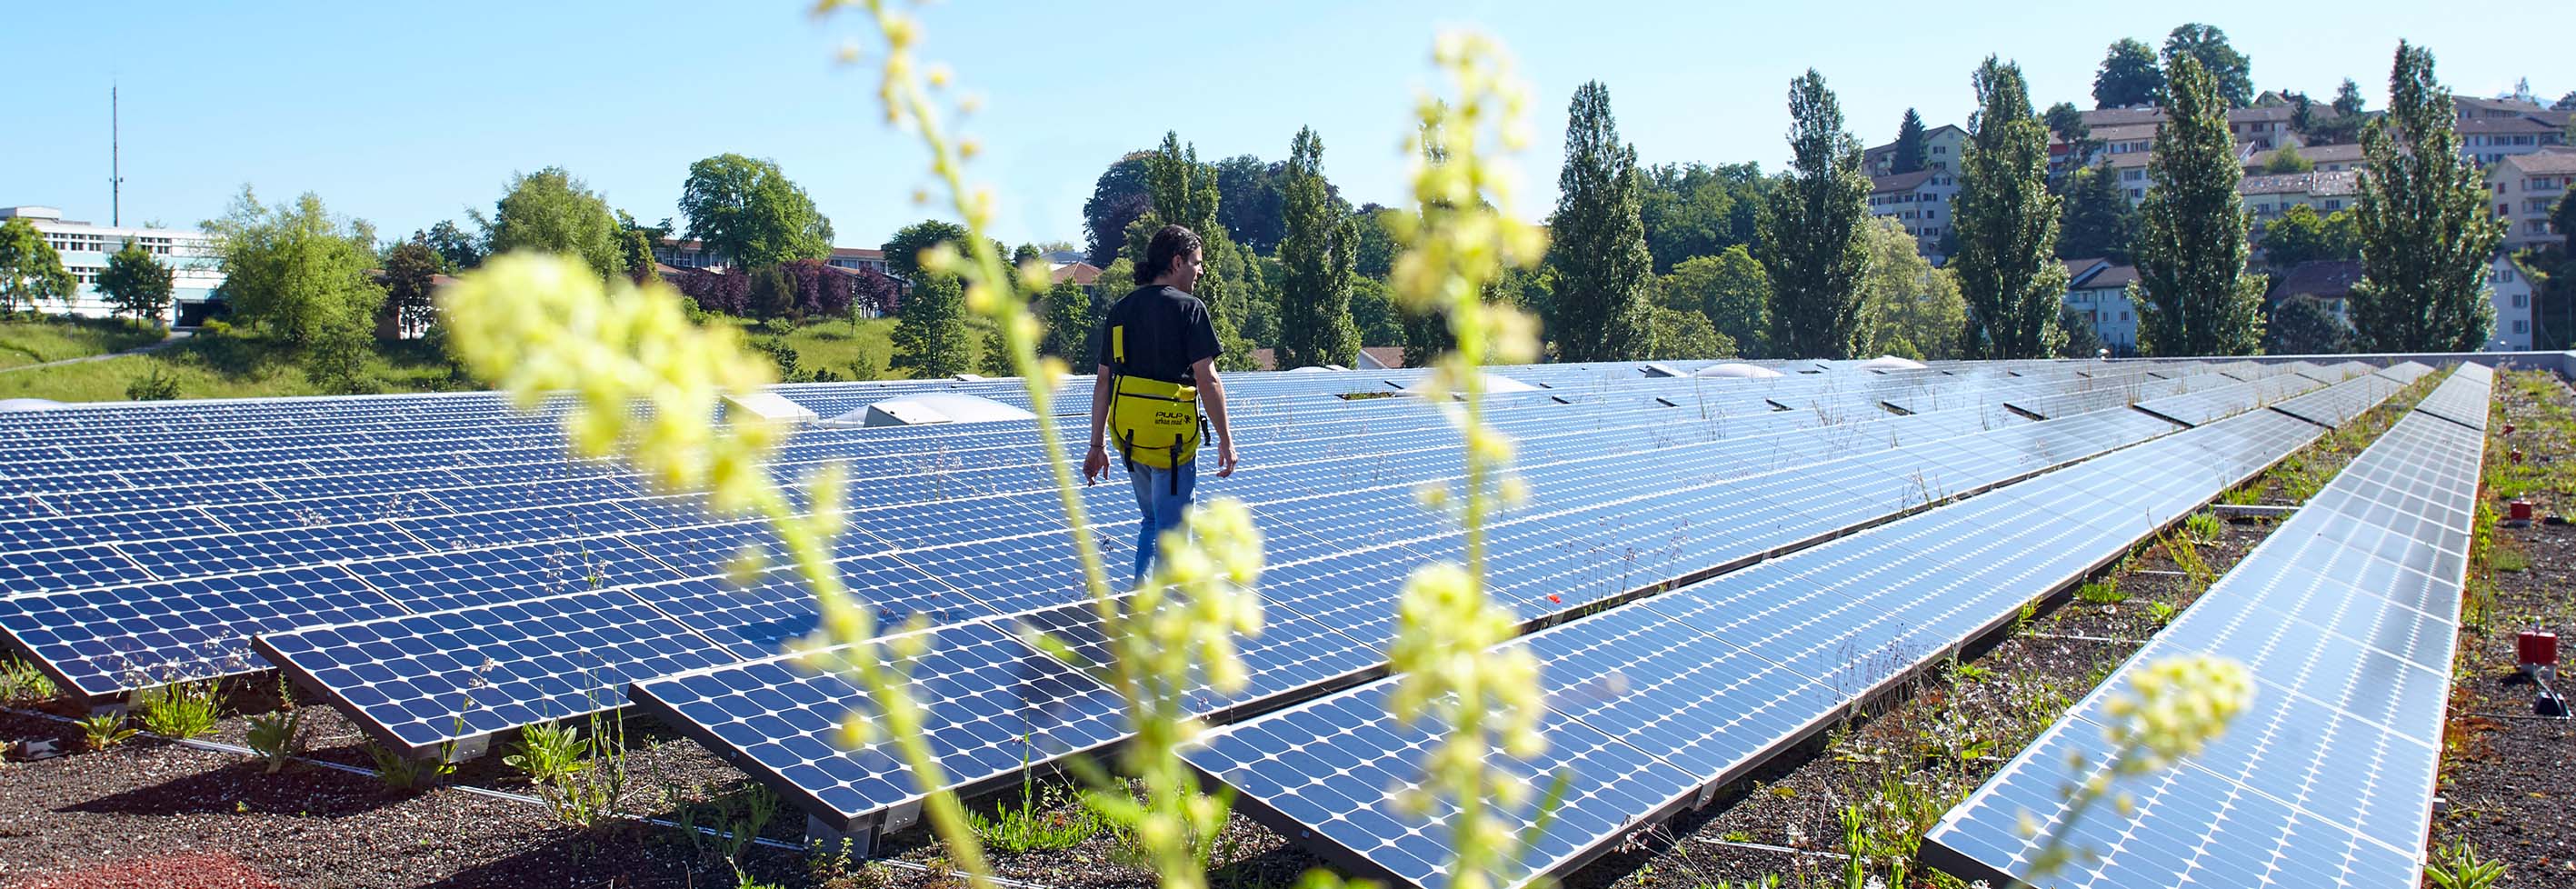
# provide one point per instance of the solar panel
(422, 680)
(2461, 399)
(2338, 404)
(438, 581)
(105, 641)
(993, 707)
(2345, 618)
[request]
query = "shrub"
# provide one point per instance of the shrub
(403, 773)
(104, 730)
(154, 386)
(548, 751)
(22, 683)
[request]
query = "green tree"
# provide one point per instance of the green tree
(1250, 202)
(1598, 239)
(1683, 335)
(1910, 309)
(1184, 192)
(549, 211)
(2129, 77)
(748, 211)
(457, 251)
(2426, 234)
(2006, 222)
(1373, 311)
(30, 271)
(135, 283)
(1069, 320)
(2347, 100)
(1315, 326)
(2231, 70)
(1697, 210)
(2099, 219)
(411, 270)
(298, 272)
(903, 251)
(773, 294)
(1117, 198)
(2193, 294)
(1910, 152)
(2285, 160)
(1731, 290)
(2302, 326)
(2301, 235)
(1373, 256)
(930, 336)
(2082, 341)
(1813, 243)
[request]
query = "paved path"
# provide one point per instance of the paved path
(166, 342)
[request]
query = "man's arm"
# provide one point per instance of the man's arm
(1095, 462)
(1212, 394)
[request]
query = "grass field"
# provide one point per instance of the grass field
(246, 364)
(234, 365)
(25, 342)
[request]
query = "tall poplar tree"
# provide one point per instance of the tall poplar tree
(1812, 241)
(2193, 294)
(1909, 154)
(2426, 235)
(1317, 254)
(1184, 193)
(1598, 240)
(2006, 224)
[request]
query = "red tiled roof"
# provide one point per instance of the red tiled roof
(1082, 273)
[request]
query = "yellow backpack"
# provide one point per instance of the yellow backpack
(1155, 423)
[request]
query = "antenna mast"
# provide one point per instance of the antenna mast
(115, 174)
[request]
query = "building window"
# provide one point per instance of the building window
(2521, 327)
(2522, 300)
(2333, 204)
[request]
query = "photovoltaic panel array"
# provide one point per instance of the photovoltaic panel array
(1660, 701)
(2347, 616)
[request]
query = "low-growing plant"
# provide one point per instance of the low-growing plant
(180, 709)
(22, 683)
(2247, 494)
(1971, 671)
(104, 729)
(400, 772)
(588, 788)
(736, 820)
(548, 751)
(2102, 592)
(277, 737)
(2162, 613)
(1034, 823)
(2457, 866)
(154, 386)
(2204, 527)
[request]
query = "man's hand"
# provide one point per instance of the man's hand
(1095, 465)
(1224, 459)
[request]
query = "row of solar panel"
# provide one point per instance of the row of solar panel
(1651, 706)
(775, 721)
(1340, 531)
(2347, 618)
(561, 543)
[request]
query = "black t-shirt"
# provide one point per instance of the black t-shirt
(1166, 332)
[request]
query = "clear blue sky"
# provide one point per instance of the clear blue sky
(404, 114)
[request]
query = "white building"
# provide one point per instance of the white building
(86, 247)
(2526, 187)
(2267, 197)
(1922, 201)
(1943, 146)
(684, 254)
(2098, 291)
(2515, 322)
(2494, 129)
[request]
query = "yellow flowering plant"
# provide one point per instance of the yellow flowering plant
(2172, 709)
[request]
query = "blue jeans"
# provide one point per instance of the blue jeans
(1164, 503)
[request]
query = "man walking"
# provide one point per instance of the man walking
(1156, 354)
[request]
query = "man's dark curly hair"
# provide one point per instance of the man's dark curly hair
(1171, 243)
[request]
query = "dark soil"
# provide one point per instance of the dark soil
(2509, 778)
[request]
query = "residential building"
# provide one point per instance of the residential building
(1922, 201)
(689, 254)
(2526, 187)
(1942, 147)
(85, 248)
(2494, 129)
(2325, 158)
(2328, 281)
(2098, 292)
(2267, 197)
(2515, 321)
(1078, 272)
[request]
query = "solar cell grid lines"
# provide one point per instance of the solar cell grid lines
(102, 641)
(2346, 618)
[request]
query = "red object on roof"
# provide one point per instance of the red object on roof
(184, 870)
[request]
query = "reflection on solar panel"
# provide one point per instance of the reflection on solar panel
(2347, 618)
(1709, 680)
